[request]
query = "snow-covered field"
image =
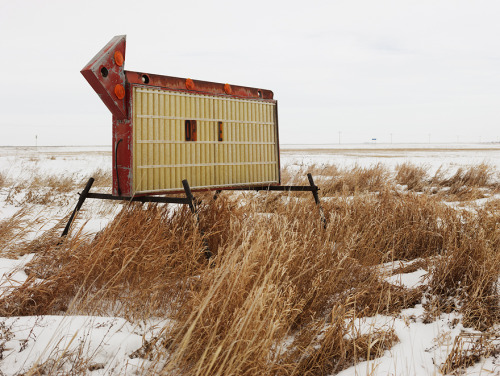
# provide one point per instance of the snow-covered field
(431, 155)
(110, 341)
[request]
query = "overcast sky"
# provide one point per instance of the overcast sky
(410, 70)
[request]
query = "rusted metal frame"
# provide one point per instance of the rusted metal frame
(163, 200)
(104, 74)
(200, 87)
(188, 200)
(277, 141)
(116, 167)
(282, 188)
(122, 156)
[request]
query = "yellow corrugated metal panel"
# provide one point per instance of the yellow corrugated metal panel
(246, 155)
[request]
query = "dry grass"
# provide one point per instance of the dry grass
(468, 349)
(465, 184)
(6, 335)
(134, 260)
(14, 230)
(102, 178)
(51, 190)
(280, 292)
(465, 277)
(334, 180)
(3, 179)
(414, 177)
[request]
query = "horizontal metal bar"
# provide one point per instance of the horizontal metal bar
(165, 200)
(209, 120)
(204, 142)
(294, 188)
(210, 187)
(270, 102)
(210, 164)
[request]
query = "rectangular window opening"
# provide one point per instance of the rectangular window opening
(190, 130)
(220, 131)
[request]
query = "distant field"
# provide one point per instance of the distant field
(433, 155)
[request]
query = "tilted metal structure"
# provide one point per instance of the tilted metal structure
(166, 129)
(175, 135)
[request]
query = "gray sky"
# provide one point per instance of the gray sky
(367, 69)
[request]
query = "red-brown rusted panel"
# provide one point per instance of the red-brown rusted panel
(200, 87)
(105, 73)
(122, 152)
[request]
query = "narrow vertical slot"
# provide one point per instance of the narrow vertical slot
(220, 133)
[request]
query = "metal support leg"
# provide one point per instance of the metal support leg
(189, 196)
(78, 206)
(316, 199)
(192, 206)
(217, 193)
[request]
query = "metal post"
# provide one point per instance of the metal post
(316, 198)
(189, 196)
(192, 206)
(78, 206)
(217, 193)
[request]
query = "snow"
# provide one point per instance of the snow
(408, 280)
(11, 273)
(433, 156)
(108, 342)
(422, 347)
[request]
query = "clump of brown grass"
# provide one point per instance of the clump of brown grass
(389, 226)
(414, 177)
(102, 178)
(37, 189)
(331, 348)
(467, 183)
(469, 348)
(14, 229)
(473, 176)
(6, 335)
(136, 261)
(468, 271)
(334, 181)
(357, 179)
(3, 179)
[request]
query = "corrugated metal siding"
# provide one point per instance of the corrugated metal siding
(248, 154)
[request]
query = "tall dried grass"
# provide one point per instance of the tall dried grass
(13, 231)
(134, 263)
(334, 180)
(3, 179)
(280, 292)
(414, 177)
(467, 183)
(50, 189)
(465, 277)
